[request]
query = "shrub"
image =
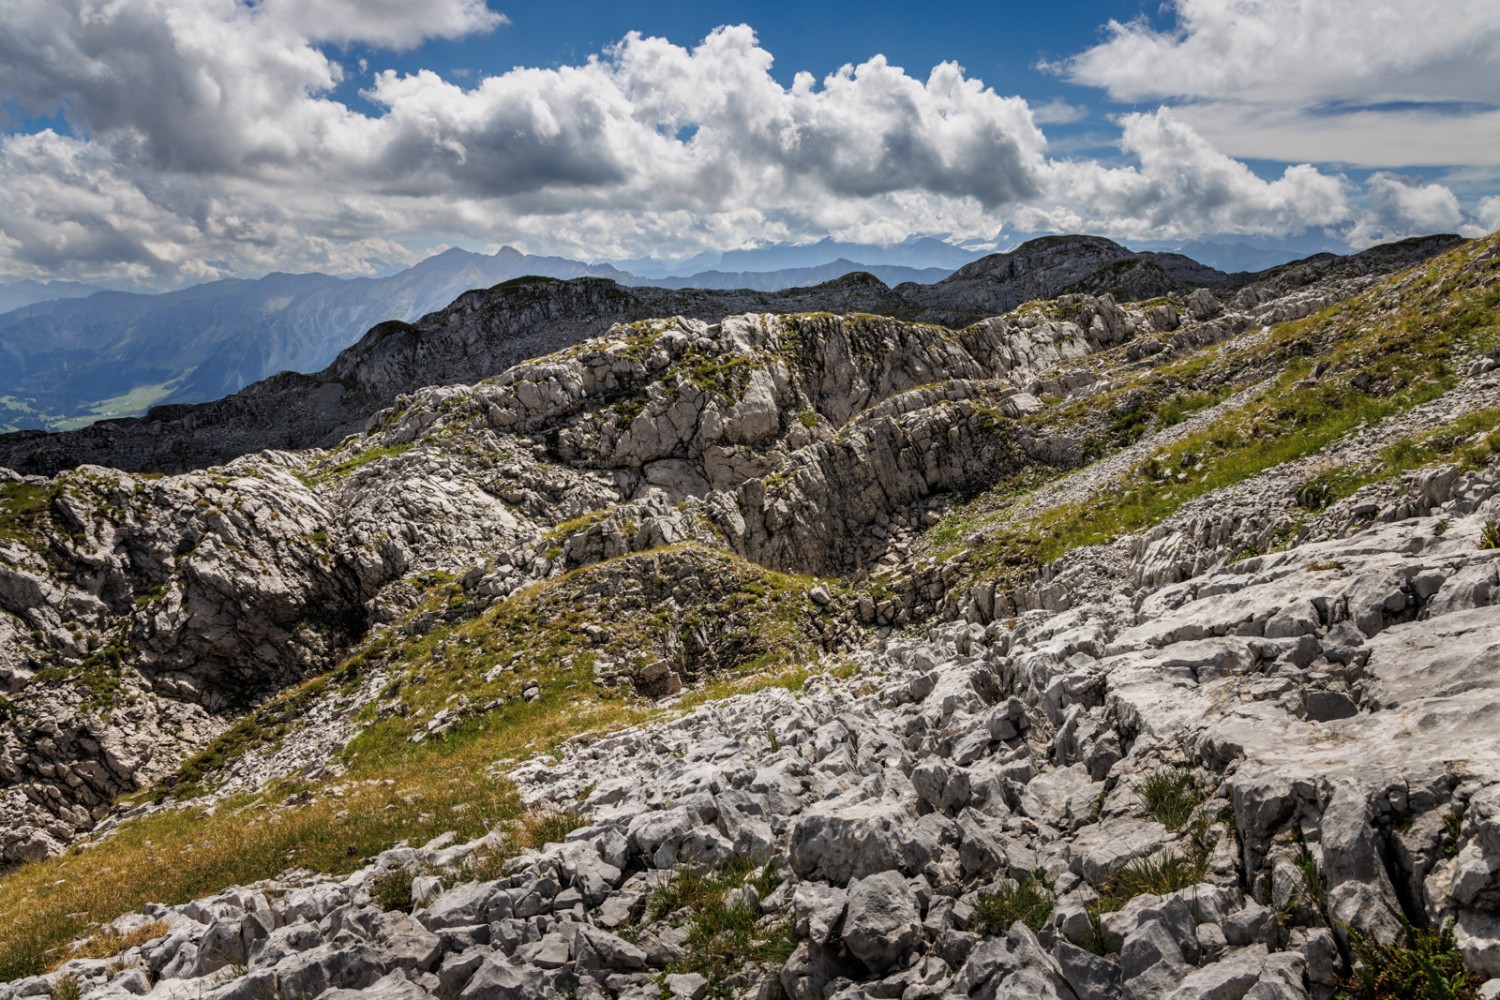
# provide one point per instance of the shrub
(1428, 967)
(66, 987)
(1489, 535)
(1158, 875)
(1315, 494)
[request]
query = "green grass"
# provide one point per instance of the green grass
(1471, 441)
(538, 828)
(1027, 900)
(1169, 796)
(1157, 875)
(130, 404)
(22, 507)
(326, 473)
(392, 890)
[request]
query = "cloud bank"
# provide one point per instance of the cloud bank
(1373, 83)
(204, 139)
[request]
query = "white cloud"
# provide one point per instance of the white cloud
(1372, 83)
(1489, 214)
(397, 24)
(1405, 206)
(1184, 187)
(205, 131)
(1302, 51)
(1357, 138)
(1058, 112)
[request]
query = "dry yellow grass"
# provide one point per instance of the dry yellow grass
(409, 792)
(111, 942)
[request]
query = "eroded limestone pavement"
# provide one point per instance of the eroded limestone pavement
(1331, 700)
(1334, 704)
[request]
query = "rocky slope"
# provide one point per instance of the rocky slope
(484, 332)
(1087, 650)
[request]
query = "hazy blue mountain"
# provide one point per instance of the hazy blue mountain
(15, 294)
(921, 253)
(67, 362)
(1235, 254)
(796, 277)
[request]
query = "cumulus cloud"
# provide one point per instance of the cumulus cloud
(207, 131)
(396, 24)
(1302, 51)
(1489, 214)
(1184, 186)
(1373, 83)
(1402, 206)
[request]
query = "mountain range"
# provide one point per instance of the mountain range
(84, 354)
(483, 332)
(69, 362)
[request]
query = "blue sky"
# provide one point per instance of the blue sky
(158, 142)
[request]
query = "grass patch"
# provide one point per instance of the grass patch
(1157, 875)
(178, 855)
(392, 890)
(1027, 900)
(536, 828)
(22, 508)
(66, 987)
(111, 942)
(326, 473)
(1169, 796)
(724, 935)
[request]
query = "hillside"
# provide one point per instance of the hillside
(588, 641)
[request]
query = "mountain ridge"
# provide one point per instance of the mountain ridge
(531, 317)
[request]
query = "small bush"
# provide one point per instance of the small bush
(1029, 901)
(392, 891)
(1489, 535)
(1428, 967)
(1453, 828)
(1170, 796)
(723, 937)
(1313, 889)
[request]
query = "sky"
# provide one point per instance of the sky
(162, 142)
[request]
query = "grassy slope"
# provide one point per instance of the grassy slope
(398, 790)
(1381, 353)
